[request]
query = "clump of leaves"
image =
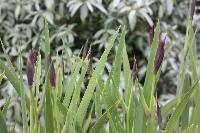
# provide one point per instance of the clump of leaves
(134, 110)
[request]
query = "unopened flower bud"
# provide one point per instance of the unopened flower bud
(52, 73)
(159, 54)
(31, 61)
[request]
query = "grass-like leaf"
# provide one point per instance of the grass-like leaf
(181, 76)
(71, 85)
(73, 105)
(93, 82)
(104, 118)
(166, 110)
(48, 99)
(185, 114)
(23, 99)
(179, 109)
(117, 63)
(194, 69)
(150, 73)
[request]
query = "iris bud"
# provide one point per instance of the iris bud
(31, 61)
(52, 73)
(159, 54)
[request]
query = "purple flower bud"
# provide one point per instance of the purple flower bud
(159, 54)
(151, 34)
(159, 114)
(192, 8)
(31, 61)
(52, 73)
(134, 69)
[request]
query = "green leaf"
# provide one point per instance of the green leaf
(23, 99)
(129, 93)
(191, 129)
(3, 127)
(168, 108)
(49, 121)
(185, 114)
(127, 75)
(71, 85)
(10, 73)
(98, 103)
(194, 68)
(61, 107)
(179, 109)
(151, 120)
(131, 110)
(93, 82)
(37, 75)
(117, 63)
(181, 75)
(116, 82)
(88, 120)
(149, 73)
(69, 122)
(59, 82)
(143, 102)
(139, 114)
(104, 118)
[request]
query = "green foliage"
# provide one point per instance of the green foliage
(179, 109)
(93, 82)
(104, 103)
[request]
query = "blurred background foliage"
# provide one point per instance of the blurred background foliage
(72, 23)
